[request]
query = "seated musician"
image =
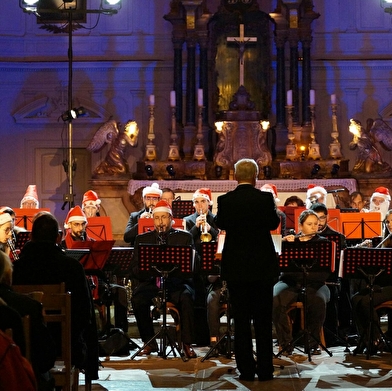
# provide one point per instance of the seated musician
(75, 225)
(180, 292)
(271, 188)
(202, 227)
(382, 293)
(91, 204)
(287, 290)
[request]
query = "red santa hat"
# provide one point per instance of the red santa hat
(272, 189)
(162, 206)
(31, 195)
(152, 191)
(203, 193)
(75, 214)
(5, 216)
(382, 192)
(90, 198)
(312, 189)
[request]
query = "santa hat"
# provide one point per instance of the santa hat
(162, 206)
(90, 198)
(5, 216)
(312, 189)
(75, 214)
(382, 192)
(272, 189)
(203, 193)
(152, 191)
(31, 195)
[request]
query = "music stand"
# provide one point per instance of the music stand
(361, 225)
(21, 239)
(162, 260)
(119, 261)
(307, 256)
(182, 208)
(369, 263)
(24, 216)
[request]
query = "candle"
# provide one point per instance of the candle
(200, 97)
(333, 99)
(172, 98)
(312, 96)
(289, 98)
(152, 100)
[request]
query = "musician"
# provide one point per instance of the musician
(294, 201)
(287, 290)
(382, 293)
(379, 201)
(250, 268)
(30, 199)
(201, 225)
(274, 191)
(151, 195)
(357, 200)
(180, 292)
(315, 194)
(168, 195)
(6, 227)
(75, 224)
(91, 204)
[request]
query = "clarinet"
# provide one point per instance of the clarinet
(13, 251)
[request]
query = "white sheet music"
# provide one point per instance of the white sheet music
(277, 239)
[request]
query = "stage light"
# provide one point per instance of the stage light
(69, 115)
(218, 171)
(267, 172)
(29, 5)
(219, 126)
(315, 170)
(112, 2)
(149, 170)
(265, 124)
(335, 170)
(170, 170)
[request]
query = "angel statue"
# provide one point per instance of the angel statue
(369, 160)
(114, 162)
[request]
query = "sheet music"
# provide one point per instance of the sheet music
(221, 242)
(277, 239)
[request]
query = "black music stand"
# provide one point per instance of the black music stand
(182, 208)
(307, 257)
(119, 262)
(369, 263)
(21, 238)
(162, 260)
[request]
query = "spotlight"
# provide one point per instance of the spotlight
(73, 114)
(335, 170)
(29, 6)
(112, 2)
(218, 171)
(219, 126)
(170, 170)
(267, 172)
(149, 170)
(315, 170)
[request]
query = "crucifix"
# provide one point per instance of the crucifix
(241, 41)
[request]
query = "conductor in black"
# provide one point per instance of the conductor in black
(250, 268)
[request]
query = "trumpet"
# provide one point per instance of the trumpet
(205, 236)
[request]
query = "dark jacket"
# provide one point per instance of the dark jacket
(131, 230)
(248, 215)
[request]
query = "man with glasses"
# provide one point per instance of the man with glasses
(180, 292)
(151, 195)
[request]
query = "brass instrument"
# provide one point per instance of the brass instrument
(205, 236)
(13, 251)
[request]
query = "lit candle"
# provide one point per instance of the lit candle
(172, 98)
(152, 100)
(289, 98)
(200, 97)
(312, 96)
(333, 99)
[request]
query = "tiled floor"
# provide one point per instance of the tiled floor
(342, 371)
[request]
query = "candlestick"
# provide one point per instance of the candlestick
(200, 97)
(151, 153)
(152, 100)
(333, 99)
(174, 153)
(312, 96)
(172, 98)
(289, 98)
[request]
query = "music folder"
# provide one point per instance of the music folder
(99, 252)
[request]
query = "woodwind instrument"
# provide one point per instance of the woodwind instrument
(13, 252)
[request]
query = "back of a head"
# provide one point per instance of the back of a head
(246, 170)
(45, 228)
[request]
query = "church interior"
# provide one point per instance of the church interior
(113, 96)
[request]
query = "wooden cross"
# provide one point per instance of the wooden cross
(242, 41)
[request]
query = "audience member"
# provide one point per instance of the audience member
(357, 200)
(294, 201)
(288, 289)
(43, 261)
(250, 268)
(151, 195)
(42, 345)
(274, 191)
(30, 199)
(179, 291)
(315, 194)
(91, 204)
